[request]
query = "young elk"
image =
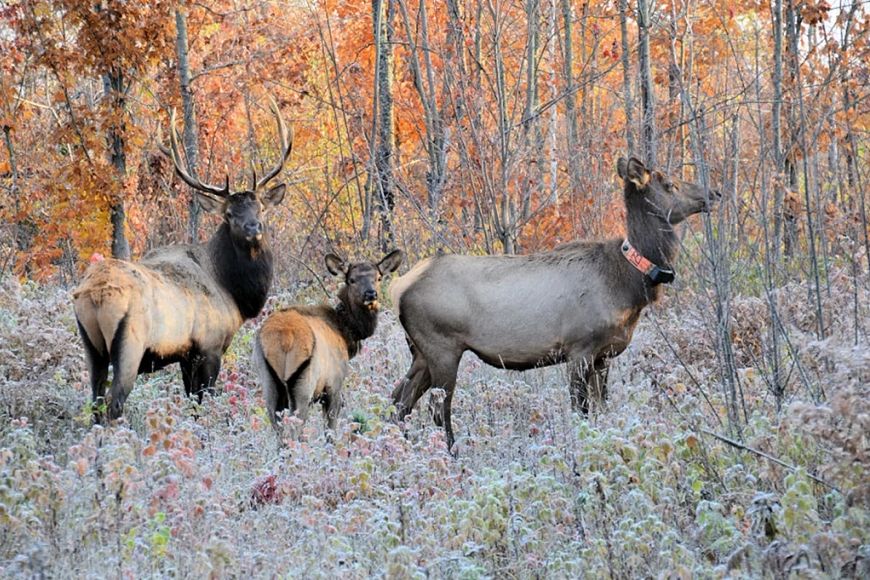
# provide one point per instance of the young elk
(301, 352)
(577, 304)
(180, 304)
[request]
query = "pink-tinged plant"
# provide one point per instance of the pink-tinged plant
(636, 490)
(266, 490)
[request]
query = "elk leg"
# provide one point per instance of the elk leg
(597, 379)
(301, 413)
(416, 382)
(98, 371)
(126, 353)
(301, 398)
(332, 404)
(579, 370)
(199, 372)
(277, 404)
(436, 406)
(588, 379)
(206, 375)
(443, 372)
(277, 398)
(188, 371)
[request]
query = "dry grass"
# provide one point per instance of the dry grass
(636, 490)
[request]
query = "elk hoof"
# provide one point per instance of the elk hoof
(436, 406)
(115, 409)
(401, 412)
(98, 408)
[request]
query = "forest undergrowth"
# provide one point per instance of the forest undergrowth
(659, 483)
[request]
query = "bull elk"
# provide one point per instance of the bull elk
(180, 304)
(577, 304)
(301, 352)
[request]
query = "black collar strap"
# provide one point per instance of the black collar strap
(656, 274)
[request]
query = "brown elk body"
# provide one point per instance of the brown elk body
(179, 304)
(577, 304)
(301, 353)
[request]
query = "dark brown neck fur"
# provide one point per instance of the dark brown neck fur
(243, 271)
(652, 236)
(649, 232)
(354, 323)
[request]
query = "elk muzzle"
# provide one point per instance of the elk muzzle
(253, 231)
(370, 299)
(713, 196)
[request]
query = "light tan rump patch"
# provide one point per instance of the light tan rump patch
(401, 284)
(287, 341)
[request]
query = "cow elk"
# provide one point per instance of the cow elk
(301, 353)
(180, 304)
(577, 304)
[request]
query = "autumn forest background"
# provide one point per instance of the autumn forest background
(735, 441)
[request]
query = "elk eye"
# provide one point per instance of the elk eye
(352, 280)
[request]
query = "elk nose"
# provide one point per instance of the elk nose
(370, 295)
(253, 229)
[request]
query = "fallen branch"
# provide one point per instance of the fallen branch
(779, 462)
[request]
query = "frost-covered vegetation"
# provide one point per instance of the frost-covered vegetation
(643, 488)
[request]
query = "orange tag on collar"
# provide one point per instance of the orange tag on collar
(636, 259)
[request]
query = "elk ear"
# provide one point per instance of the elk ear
(391, 262)
(637, 173)
(275, 195)
(622, 167)
(209, 204)
(335, 265)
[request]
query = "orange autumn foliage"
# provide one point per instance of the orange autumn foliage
(463, 73)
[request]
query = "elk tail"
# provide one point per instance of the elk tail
(281, 354)
(401, 284)
(274, 389)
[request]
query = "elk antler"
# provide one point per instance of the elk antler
(180, 169)
(286, 137)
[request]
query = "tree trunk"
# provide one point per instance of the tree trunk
(675, 108)
(790, 210)
(113, 87)
(454, 93)
(455, 66)
(433, 119)
(648, 124)
(552, 129)
(436, 144)
(13, 191)
(793, 27)
(672, 109)
(24, 230)
(383, 181)
(189, 137)
(626, 77)
(719, 261)
(776, 126)
(574, 170)
(772, 348)
(505, 213)
(531, 126)
(854, 176)
(478, 42)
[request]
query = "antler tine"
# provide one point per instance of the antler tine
(180, 169)
(286, 137)
(163, 148)
(253, 176)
